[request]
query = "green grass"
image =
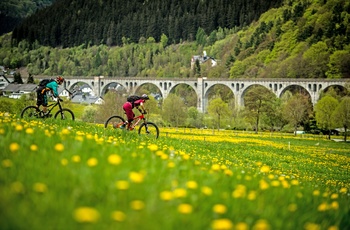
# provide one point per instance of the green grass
(196, 180)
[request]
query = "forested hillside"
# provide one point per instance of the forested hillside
(299, 39)
(12, 12)
(71, 23)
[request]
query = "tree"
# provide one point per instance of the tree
(195, 118)
(341, 115)
(273, 115)
(324, 110)
(258, 100)
(30, 79)
(174, 110)
(296, 110)
(112, 105)
(201, 37)
(219, 109)
(17, 78)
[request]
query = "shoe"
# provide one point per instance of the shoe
(47, 114)
(122, 126)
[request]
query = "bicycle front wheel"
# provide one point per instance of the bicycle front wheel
(149, 129)
(30, 112)
(65, 114)
(114, 122)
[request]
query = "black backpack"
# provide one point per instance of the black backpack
(132, 99)
(44, 82)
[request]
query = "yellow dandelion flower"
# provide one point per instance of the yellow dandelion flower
(180, 193)
(239, 192)
(59, 147)
(118, 216)
(6, 163)
(137, 205)
(192, 184)
(311, 226)
(2, 131)
(89, 136)
(206, 190)
(114, 159)
(265, 169)
(197, 162)
(275, 183)
(14, 147)
(159, 153)
(65, 131)
(333, 227)
(292, 207)
(64, 162)
(285, 184)
(251, 195)
(17, 187)
(122, 185)
(29, 131)
(222, 224)
(186, 157)
(153, 147)
(322, 207)
(241, 226)
(19, 127)
(271, 176)
(215, 167)
(33, 148)
(76, 158)
(171, 164)
(136, 177)
(263, 185)
(40, 187)
(91, 162)
(219, 209)
(334, 196)
(228, 172)
(79, 138)
(185, 209)
(166, 195)
(86, 215)
(261, 225)
(294, 182)
(316, 193)
(343, 190)
(335, 205)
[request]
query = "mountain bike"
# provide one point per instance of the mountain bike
(146, 128)
(34, 112)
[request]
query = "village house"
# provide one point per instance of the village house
(203, 59)
(4, 81)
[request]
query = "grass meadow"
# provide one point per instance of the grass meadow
(74, 175)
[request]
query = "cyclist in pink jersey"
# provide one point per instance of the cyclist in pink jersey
(128, 107)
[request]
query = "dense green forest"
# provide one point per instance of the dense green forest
(12, 12)
(70, 23)
(299, 39)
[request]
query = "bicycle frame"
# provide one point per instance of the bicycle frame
(137, 120)
(53, 105)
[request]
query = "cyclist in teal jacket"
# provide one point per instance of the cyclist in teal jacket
(42, 91)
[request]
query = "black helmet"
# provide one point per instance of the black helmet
(144, 97)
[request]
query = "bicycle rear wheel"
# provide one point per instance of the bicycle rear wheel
(30, 112)
(65, 114)
(149, 129)
(114, 122)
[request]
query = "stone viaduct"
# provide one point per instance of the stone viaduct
(202, 86)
